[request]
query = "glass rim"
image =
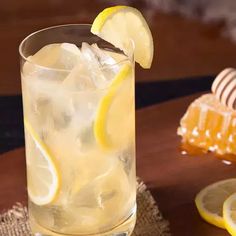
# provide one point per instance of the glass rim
(130, 59)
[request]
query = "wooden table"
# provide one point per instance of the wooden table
(172, 178)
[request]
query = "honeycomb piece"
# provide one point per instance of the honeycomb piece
(209, 125)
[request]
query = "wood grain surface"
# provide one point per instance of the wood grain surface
(172, 178)
(183, 47)
(175, 179)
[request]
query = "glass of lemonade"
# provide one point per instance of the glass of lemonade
(79, 117)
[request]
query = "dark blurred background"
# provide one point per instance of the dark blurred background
(192, 44)
(185, 47)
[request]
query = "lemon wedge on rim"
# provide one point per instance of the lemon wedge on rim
(43, 177)
(126, 28)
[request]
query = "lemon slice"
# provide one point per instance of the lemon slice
(114, 119)
(123, 26)
(210, 200)
(42, 173)
(229, 214)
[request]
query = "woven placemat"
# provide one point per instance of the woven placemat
(150, 222)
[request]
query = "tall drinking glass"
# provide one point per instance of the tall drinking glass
(79, 119)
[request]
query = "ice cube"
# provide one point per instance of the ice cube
(102, 67)
(32, 71)
(103, 57)
(39, 95)
(88, 54)
(107, 192)
(58, 56)
(105, 185)
(44, 63)
(117, 56)
(46, 56)
(92, 62)
(61, 119)
(70, 56)
(62, 109)
(79, 79)
(50, 105)
(86, 137)
(96, 69)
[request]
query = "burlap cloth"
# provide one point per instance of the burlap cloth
(150, 222)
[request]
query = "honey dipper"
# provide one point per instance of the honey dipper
(224, 87)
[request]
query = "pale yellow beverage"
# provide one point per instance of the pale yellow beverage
(79, 118)
(80, 139)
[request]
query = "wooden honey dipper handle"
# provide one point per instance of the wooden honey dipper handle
(224, 87)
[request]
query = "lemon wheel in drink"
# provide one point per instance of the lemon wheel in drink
(43, 174)
(125, 28)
